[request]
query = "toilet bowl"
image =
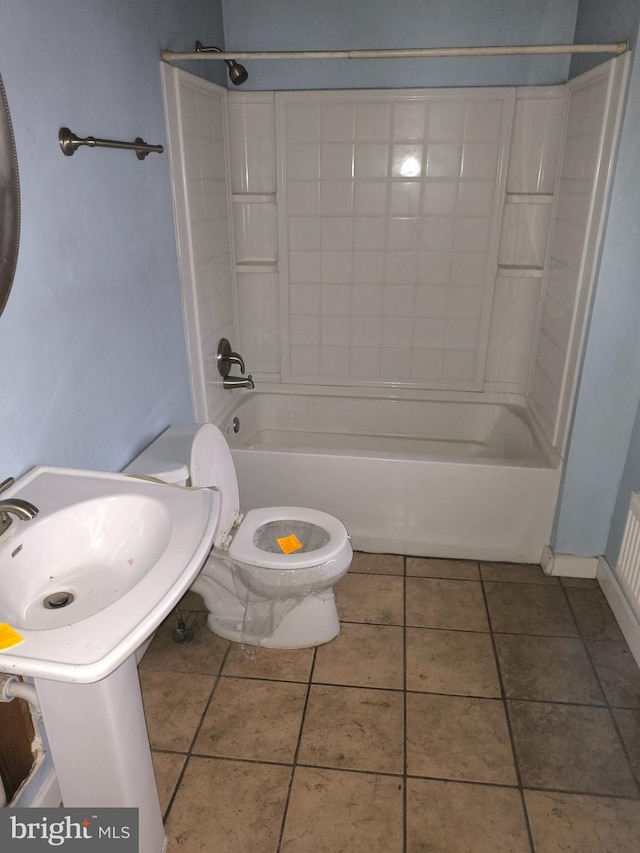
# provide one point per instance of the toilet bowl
(268, 579)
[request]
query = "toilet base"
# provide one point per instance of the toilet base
(311, 622)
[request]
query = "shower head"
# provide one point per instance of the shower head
(238, 74)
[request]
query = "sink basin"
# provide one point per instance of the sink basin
(91, 577)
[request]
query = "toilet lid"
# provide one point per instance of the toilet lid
(211, 464)
(321, 538)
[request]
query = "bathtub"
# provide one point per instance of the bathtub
(424, 477)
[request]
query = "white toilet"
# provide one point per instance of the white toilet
(268, 579)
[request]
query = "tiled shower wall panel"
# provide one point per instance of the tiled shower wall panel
(389, 219)
(202, 111)
(586, 114)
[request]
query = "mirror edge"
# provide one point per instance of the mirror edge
(8, 261)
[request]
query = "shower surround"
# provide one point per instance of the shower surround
(419, 246)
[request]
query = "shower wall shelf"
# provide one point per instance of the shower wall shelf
(257, 266)
(520, 271)
(253, 198)
(69, 143)
(530, 198)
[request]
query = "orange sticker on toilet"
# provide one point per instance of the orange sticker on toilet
(289, 544)
(9, 636)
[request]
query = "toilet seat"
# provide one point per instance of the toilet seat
(243, 548)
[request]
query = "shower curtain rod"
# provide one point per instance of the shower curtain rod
(402, 53)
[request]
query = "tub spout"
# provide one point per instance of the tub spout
(238, 382)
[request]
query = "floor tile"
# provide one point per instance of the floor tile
(432, 567)
(377, 564)
(202, 656)
(628, 720)
(450, 737)
(585, 583)
(227, 806)
(174, 703)
(167, 767)
(516, 573)
(593, 614)
(354, 728)
(253, 719)
(529, 609)
(444, 603)
(618, 672)
(460, 662)
(378, 599)
(570, 823)
(453, 817)
(277, 664)
(570, 747)
(363, 656)
(341, 812)
(256, 713)
(549, 669)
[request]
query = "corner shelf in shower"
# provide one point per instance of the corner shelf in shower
(253, 198)
(519, 271)
(529, 198)
(257, 266)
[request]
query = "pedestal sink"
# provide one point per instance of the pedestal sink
(84, 584)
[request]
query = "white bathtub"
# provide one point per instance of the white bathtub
(442, 478)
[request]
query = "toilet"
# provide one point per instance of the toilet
(268, 579)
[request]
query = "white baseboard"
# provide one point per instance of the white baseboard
(568, 565)
(625, 617)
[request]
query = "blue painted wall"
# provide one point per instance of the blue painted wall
(601, 454)
(601, 21)
(91, 341)
(630, 483)
(338, 25)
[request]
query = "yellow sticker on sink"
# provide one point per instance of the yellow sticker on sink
(9, 636)
(289, 544)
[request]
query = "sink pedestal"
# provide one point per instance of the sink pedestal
(100, 747)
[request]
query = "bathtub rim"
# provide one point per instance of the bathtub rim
(546, 455)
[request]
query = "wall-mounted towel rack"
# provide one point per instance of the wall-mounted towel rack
(69, 142)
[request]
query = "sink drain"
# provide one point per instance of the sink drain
(58, 599)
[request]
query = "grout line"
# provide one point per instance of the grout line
(607, 703)
(404, 721)
(413, 776)
(505, 707)
(236, 677)
(294, 762)
(189, 751)
(575, 636)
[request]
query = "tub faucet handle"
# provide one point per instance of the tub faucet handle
(226, 357)
(234, 358)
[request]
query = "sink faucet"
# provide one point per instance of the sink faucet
(21, 509)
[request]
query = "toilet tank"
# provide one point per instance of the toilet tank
(196, 455)
(168, 457)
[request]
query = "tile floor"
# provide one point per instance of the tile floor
(465, 708)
